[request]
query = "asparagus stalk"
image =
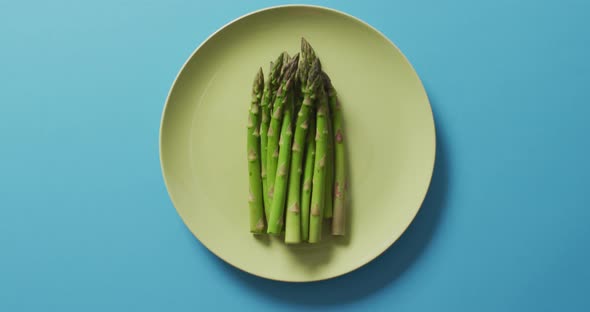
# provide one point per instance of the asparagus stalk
(275, 223)
(269, 89)
(309, 79)
(307, 177)
(339, 213)
(272, 156)
(253, 142)
(329, 166)
(319, 177)
(295, 96)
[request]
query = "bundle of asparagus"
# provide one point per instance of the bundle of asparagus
(295, 150)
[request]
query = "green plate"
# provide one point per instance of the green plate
(389, 129)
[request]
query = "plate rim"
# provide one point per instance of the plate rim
(392, 241)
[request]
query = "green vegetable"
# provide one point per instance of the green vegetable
(272, 156)
(319, 177)
(308, 177)
(296, 152)
(339, 193)
(270, 88)
(310, 78)
(253, 149)
(328, 209)
(275, 222)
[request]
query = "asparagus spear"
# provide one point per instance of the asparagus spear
(307, 177)
(253, 142)
(287, 59)
(329, 166)
(269, 89)
(309, 79)
(319, 177)
(272, 148)
(339, 213)
(275, 223)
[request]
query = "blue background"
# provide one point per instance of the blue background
(86, 223)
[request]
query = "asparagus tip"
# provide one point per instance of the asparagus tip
(305, 46)
(260, 75)
(314, 77)
(328, 84)
(258, 84)
(306, 62)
